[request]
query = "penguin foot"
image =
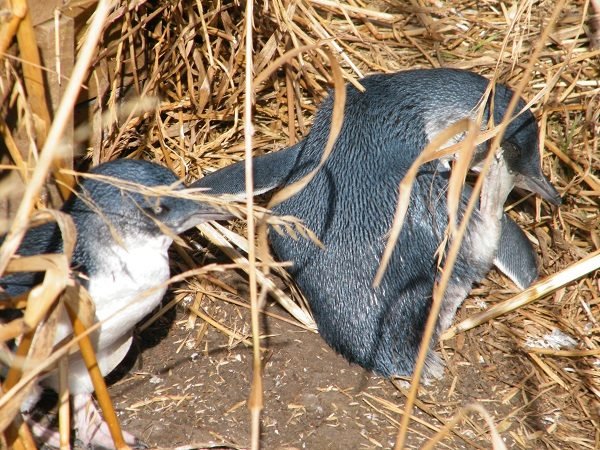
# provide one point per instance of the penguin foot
(42, 433)
(434, 367)
(92, 430)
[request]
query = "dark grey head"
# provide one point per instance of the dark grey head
(105, 213)
(520, 145)
(132, 211)
(447, 95)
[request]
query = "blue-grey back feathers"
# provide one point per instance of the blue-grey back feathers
(350, 204)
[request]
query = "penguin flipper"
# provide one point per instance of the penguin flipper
(44, 238)
(515, 257)
(270, 172)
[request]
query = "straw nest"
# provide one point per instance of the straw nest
(189, 59)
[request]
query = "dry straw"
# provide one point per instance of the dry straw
(227, 89)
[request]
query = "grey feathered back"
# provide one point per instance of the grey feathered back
(350, 203)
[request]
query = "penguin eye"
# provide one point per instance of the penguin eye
(512, 156)
(160, 210)
(157, 209)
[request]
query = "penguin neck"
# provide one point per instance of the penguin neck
(129, 271)
(125, 277)
(118, 258)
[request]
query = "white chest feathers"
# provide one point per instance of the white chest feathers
(131, 282)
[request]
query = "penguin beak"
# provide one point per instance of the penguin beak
(539, 185)
(201, 217)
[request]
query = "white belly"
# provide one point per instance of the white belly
(123, 295)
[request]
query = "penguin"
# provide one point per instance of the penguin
(121, 257)
(350, 204)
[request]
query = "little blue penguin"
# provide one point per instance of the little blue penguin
(121, 257)
(350, 204)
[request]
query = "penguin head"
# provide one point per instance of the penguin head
(443, 96)
(520, 146)
(128, 208)
(521, 153)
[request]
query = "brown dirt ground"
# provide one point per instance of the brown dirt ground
(189, 387)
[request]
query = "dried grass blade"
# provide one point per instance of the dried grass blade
(11, 330)
(547, 370)
(533, 293)
(64, 410)
(9, 30)
(14, 151)
(589, 178)
(43, 296)
(72, 303)
(35, 345)
(356, 11)
(255, 400)
(459, 174)
(336, 126)
(14, 375)
(429, 153)
(275, 65)
(497, 442)
(215, 233)
(219, 326)
(19, 437)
